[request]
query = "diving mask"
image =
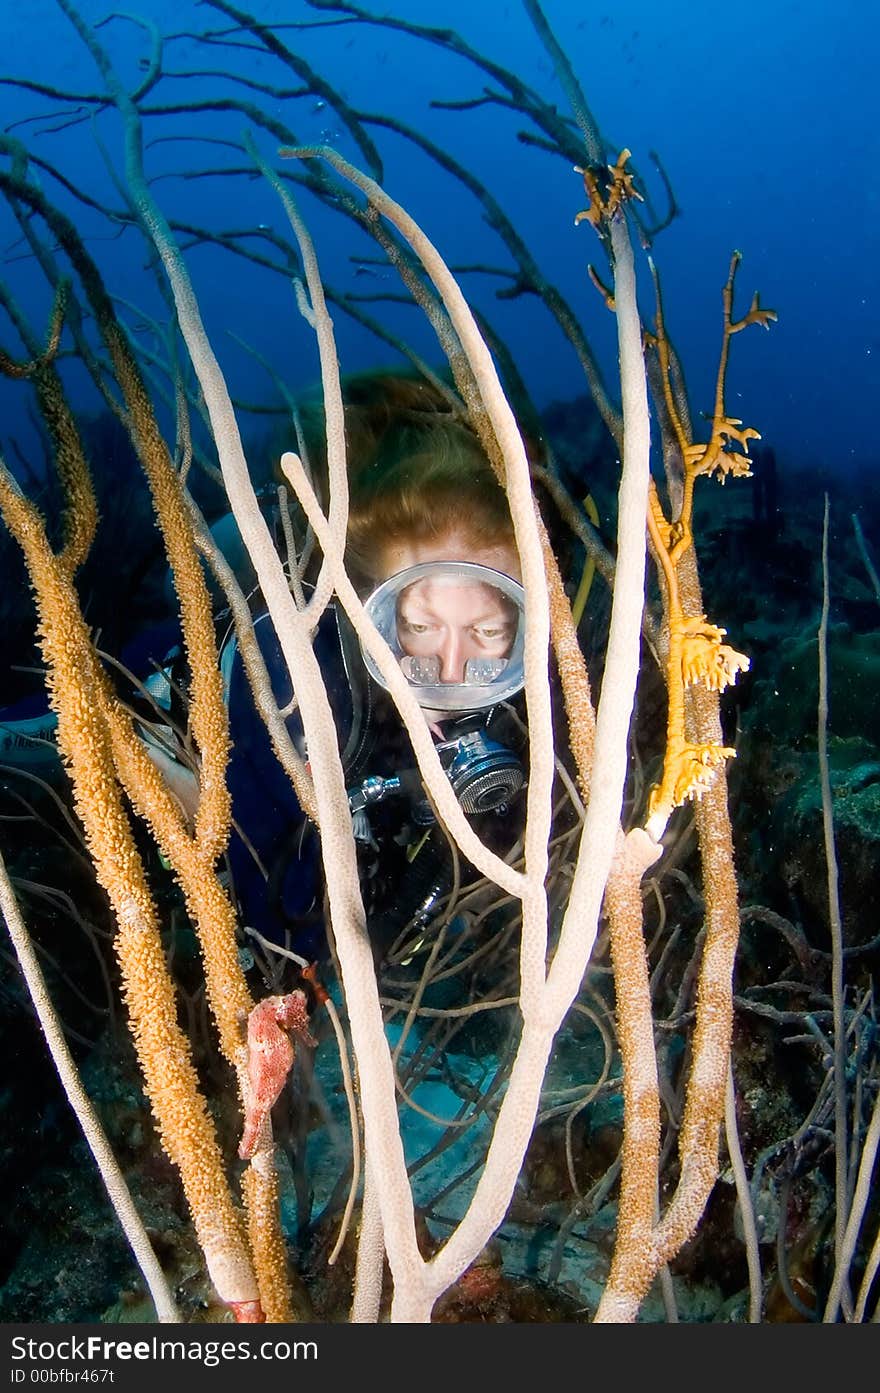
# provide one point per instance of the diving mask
(456, 628)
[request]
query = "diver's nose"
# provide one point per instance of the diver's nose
(452, 657)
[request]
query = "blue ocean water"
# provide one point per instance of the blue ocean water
(762, 114)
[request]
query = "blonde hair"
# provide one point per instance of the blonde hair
(416, 472)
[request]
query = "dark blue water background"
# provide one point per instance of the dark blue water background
(764, 115)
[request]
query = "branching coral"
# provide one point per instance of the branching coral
(107, 756)
(696, 653)
(85, 706)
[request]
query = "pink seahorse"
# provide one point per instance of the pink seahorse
(270, 1056)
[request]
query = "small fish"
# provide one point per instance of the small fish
(270, 1057)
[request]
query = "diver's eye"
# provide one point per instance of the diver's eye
(410, 627)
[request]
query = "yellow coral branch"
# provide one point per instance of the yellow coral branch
(696, 652)
(704, 658)
(81, 509)
(77, 690)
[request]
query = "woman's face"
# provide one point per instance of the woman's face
(454, 622)
(449, 620)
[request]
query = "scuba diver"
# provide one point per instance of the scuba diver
(430, 547)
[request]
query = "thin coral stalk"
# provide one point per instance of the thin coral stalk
(841, 1175)
(111, 1174)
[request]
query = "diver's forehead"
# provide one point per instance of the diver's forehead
(445, 595)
